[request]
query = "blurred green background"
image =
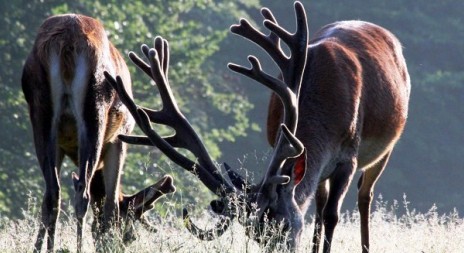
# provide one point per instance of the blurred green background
(229, 111)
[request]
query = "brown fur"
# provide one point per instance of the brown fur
(69, 35)
(59, 133)
(352, 110)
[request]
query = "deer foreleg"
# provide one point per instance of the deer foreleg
(339, 182)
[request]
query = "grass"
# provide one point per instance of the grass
(394, 228)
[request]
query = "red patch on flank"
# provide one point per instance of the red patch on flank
(300, 168)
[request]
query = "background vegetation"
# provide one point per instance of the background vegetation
(229, 111)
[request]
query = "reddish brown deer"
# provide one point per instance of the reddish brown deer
(75, 113)
(344, 101)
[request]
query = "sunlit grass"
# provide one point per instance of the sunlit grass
(394, 228)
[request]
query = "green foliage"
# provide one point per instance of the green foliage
(225, 108)
(18, 174)
(194, 29)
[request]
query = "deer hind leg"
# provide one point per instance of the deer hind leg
(45, 107)
(365, 194)
(322, 195)
(50, 158)
(97, 196)
(339, 182)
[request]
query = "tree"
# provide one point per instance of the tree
(218, 114)
(227, 108)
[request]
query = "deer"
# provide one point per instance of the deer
(75, 113)
(339, 104)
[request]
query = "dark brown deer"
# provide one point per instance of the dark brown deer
(74, 112)
(344, 98)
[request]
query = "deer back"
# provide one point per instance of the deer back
(354, 95)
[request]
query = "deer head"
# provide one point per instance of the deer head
(347, 104)
(273, 197)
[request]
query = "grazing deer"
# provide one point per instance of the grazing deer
(343, 106)
(74, 112)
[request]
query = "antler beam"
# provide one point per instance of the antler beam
(292, 67)
(170, 115)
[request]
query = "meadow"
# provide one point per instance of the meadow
(395, 227)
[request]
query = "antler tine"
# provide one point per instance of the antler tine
(209, 234)
(270, 43)
(144, 200)
(170, 115)
(162, 47)
(267, 14)
(292, 67)
(140, 63)
(288, 97)
(292, 70)
(288, 146)
(154, 115)
(299, 50)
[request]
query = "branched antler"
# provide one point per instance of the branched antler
(292, 69)
(170, 115)
(288, 145)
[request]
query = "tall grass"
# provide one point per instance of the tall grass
(395, 227)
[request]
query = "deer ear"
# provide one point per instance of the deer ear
(299, 169)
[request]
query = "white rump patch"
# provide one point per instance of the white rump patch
(79, 90)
